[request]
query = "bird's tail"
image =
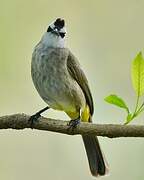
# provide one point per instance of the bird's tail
(97, 162)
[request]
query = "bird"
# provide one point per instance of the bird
(60, 81)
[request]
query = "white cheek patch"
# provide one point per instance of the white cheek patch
(52, 26)
(51, 40)
(63, 30)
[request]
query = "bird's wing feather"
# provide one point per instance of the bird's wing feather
(77, 73)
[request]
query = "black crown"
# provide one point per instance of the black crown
(59, 23)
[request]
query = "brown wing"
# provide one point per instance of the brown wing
(77, 73)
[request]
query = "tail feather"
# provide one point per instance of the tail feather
(97, 162)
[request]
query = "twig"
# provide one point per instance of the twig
(20, 121)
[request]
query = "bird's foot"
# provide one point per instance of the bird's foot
(33, 119)
(74, 123)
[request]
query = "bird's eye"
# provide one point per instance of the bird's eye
(62, 34)
(49, 29)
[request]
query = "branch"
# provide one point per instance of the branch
(20, 121)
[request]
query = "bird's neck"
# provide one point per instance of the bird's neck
(50, 40)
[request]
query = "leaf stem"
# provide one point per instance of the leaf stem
(136, 107)
(141, 108)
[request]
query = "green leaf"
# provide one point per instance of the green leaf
(129, 118)
(137, 74)
(115, 100)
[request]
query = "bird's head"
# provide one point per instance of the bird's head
(55, 35)
(57, 28)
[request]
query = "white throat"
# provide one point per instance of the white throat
(51, 40)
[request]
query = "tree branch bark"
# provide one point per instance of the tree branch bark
(20, 121)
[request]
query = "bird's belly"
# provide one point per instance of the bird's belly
(59, 92)
(53, 81)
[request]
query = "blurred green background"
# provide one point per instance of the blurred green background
(105, 36)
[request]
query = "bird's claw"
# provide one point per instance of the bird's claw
(34, 118)
(74, 123)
